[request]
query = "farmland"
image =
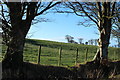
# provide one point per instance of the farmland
(50, 52)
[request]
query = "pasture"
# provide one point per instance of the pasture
(50, 52)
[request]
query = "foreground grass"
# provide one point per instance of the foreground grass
(90, 70)
(50, 52)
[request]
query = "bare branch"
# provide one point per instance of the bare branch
(37, 7)
(3, 13)
(48, 7)
(87, 14)
(113, 8)
(99, 8)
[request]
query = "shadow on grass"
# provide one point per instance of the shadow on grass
(90, 70)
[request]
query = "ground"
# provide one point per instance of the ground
(89, 70)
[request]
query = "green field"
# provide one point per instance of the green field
(50, 52)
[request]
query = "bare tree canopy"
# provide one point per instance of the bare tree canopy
(17, 18)
(69, 38)
(102, 14)
(80, 40)
(116, 26)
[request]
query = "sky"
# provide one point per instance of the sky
(61, 25)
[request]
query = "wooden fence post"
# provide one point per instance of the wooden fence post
(76, 56)
(39, 53)
(60, 55)
(114, 55)
(86, 54)
(31, 50)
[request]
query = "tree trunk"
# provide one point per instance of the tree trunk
(14, 54)
(105, 31)
(97, 56)
(103, 44)
(19, 27)
(13, 59)
(18, 32)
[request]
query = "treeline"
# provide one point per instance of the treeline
(70, 39)
(68, 46)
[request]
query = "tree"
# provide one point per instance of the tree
(116, 34)
(69, 38)
(80, 40)
(116, 27)
(86, 43)
(75, 42)
(95, 41)
(89, 42)
(92, 41)
(102, 14)
(17, 18)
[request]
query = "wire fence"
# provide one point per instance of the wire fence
(60, 56)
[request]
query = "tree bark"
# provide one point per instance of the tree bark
(19, 30)
(105, 31)
(13, 59)
(97, 56)
(14, 54)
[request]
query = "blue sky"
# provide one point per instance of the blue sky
(61, 25)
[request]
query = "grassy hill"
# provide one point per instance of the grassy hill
(50, 52)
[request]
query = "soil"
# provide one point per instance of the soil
(90, 70)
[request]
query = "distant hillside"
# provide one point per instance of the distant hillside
(68, 46)
(50, 52)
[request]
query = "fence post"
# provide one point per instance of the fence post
(31, 49)
(114, 55)
(39, 53)
(76, 57)
(60, 54)
(86, 54)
